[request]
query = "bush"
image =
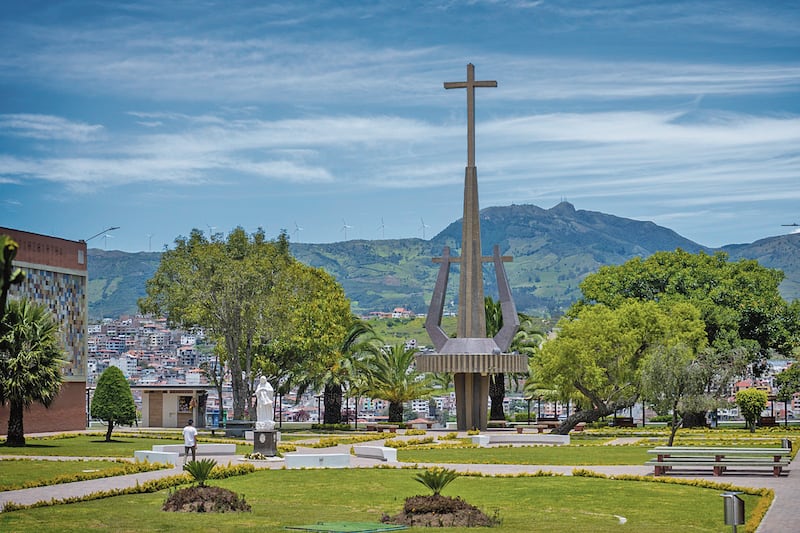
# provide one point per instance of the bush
(332, 427)
(436, 478)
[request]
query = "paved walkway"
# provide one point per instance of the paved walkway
(782, 516)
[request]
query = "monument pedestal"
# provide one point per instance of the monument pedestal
(265, 442)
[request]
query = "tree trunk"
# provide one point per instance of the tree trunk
(237, 383)
(694, 420)
(587, 416)
(395, 412)
(497, 391)
(675, 424)
(109, 430)
(16, 432)
(333, 404)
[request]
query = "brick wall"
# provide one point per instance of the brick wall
(67, 413)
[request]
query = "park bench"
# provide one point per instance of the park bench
(384, 453)
(719, 459)
(543, 423)
(623, 422)
(767, 421)
(317, 460)
(391, 428)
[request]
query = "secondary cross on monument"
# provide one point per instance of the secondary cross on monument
(471, 356)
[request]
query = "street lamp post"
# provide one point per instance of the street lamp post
(112, 228)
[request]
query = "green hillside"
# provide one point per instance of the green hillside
(553, 250)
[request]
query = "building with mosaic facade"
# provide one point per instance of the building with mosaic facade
(56, 275)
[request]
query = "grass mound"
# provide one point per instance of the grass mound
(440, 511)
(205, 500)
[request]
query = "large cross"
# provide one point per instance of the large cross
(470, 85)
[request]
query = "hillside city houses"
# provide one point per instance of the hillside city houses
(150, 354)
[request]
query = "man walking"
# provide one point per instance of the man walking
(189, 441)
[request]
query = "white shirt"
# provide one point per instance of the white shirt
(189, 436)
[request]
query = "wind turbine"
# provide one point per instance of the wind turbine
(211, 231)
(382, 229)
(297, 230)
(105, 240)
(345, 227)
(149, 242)
(422, 227)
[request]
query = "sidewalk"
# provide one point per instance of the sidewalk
(781, 517)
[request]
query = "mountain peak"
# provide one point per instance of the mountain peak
(563, 208)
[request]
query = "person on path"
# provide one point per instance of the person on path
(189, 441)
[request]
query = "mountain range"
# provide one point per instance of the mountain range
(553, 250)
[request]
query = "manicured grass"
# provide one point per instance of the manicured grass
(296, 497)
(15, 474)
(530, 455)
(94, 446)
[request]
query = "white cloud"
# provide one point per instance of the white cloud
(47, 127)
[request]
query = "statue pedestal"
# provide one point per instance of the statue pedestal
(265, 442)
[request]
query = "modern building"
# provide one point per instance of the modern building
(56, 275)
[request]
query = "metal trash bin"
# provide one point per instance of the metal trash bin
(786, 443)
(734, 509)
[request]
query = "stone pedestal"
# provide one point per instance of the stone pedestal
(265, 442)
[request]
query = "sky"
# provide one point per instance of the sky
(329, 120)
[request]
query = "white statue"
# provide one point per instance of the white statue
(265, 414)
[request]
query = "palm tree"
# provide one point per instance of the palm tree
(30, 366)
(348, 369)
(526, 340)
(393, 379)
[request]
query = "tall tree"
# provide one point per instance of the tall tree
(598, 354)
(313, 347)
(113, 401)
(788, 384)
(392, 378)
(671, 375)
(30, 363)
(225, 286)
(739, 301)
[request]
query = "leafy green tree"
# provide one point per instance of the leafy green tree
(599, 353)
(788, 383)
(393, 379)
(113, 401)
(751, 402)
(273, 313)
(739, 302)
(30, 363)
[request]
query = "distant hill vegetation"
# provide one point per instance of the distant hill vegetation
(553, 250)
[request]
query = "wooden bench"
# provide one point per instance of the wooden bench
(623, 422)
(544, 423)
(719, 459)
(767, 421)
(391, 428)
(317, 460)
(384, 453)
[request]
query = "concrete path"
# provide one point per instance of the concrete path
(782, 516)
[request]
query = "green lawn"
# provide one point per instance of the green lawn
(531, 455)
(94, 446)
(15, 474)
(296, 497)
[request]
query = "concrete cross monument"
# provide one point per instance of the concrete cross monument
(471, 356)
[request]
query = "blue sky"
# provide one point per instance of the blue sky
(159, 117)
